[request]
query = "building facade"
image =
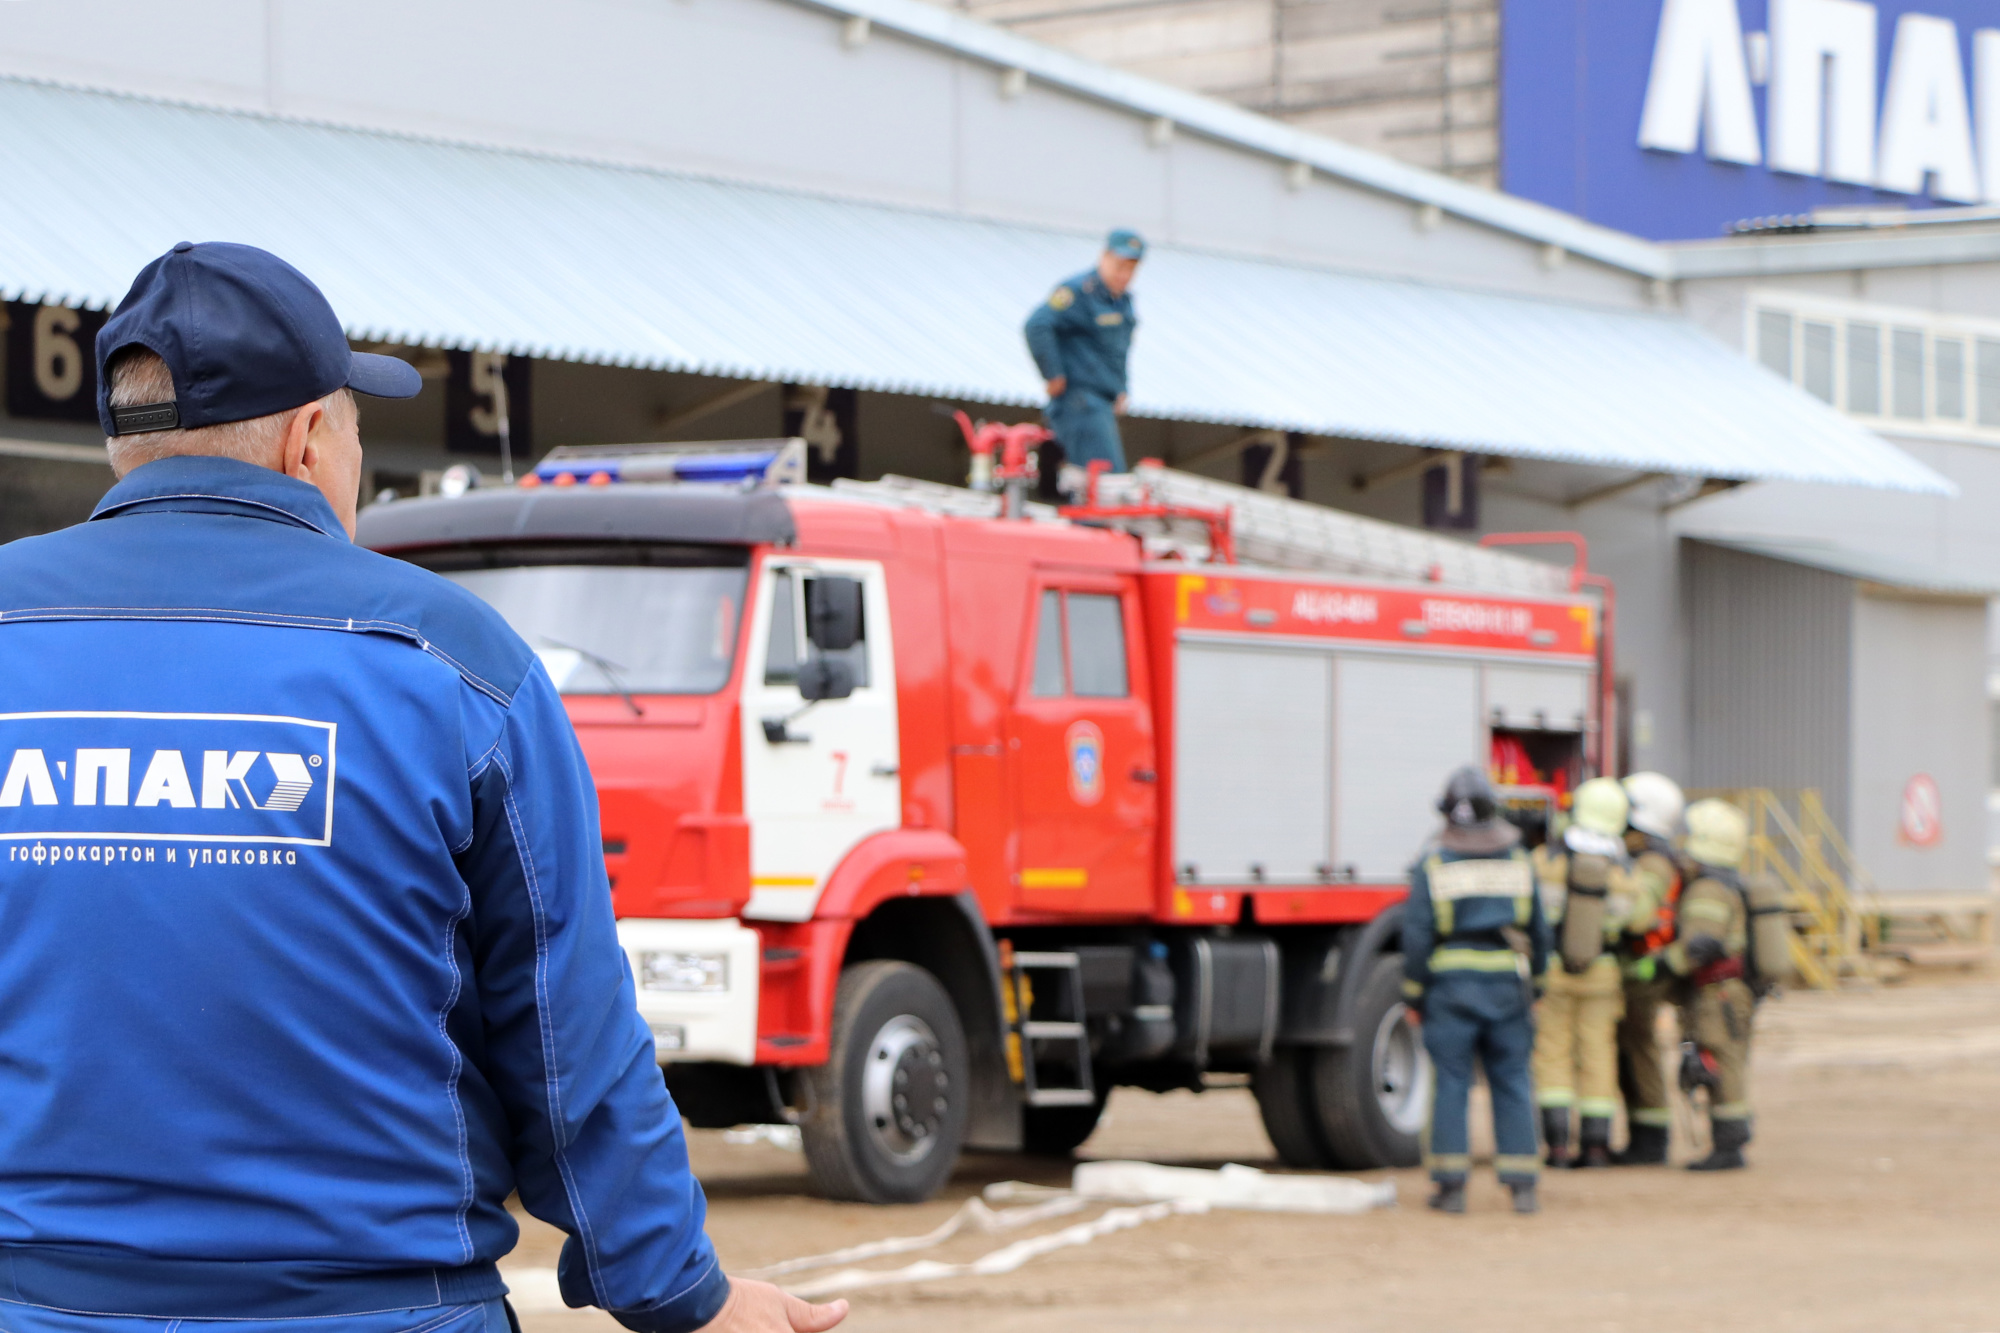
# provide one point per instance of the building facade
(725, 219)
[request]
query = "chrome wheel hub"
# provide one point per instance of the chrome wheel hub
(905, 1092)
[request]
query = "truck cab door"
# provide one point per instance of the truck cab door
(1080, 750)
(818, 775)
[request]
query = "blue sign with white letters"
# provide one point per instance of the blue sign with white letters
(1673, 119)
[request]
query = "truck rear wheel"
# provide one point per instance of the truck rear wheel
(886, 1114)
(1284, 1088)
(1373, 1095)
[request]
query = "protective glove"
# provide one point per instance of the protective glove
(1696, 1071)
(1703, 950)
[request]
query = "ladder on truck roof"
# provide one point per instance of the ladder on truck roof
(1279, 531)
(1176, 515)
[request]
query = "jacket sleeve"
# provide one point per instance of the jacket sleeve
(598, 1149)
(1043, 344)
(1419, 935)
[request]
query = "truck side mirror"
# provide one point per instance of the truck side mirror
(833, 616)
(826, 677)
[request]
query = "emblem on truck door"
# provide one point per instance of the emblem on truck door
(1086, 762)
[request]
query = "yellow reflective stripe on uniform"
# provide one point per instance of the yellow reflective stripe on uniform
(1730, 1111)
(1441, 912)
(1510, 1164)
(1449, 1161)
(1597, 1106)
(1412, 990)
(1707, 908)
(1658, 1116)
(1555, 1097)
(1476, 960)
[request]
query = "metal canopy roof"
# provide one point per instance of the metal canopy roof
(1864, 566)
(421, 242)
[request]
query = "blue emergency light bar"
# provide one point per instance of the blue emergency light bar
(745, 463)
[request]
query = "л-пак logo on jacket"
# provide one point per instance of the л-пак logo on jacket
(173, 777)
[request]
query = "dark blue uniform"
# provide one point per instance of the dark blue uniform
(1083, 334)
(1474, 991)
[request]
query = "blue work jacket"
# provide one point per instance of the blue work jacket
(309, 957)
(1460, 910)
(1084, 334)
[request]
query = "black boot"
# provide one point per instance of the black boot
(1449, 1197)
(1594, 1140)
(1727, 1154)
(1648, 1147)
(1525, 1200)
(1555, 1132)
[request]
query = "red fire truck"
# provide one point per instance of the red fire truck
(927, 826)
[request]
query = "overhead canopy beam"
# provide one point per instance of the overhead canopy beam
(1615, 489)
(1430, 458)
(742, 393)
(59, 453)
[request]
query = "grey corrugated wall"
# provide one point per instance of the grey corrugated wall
(1770, 674)
(1920, 708)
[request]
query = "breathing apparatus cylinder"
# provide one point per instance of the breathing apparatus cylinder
(1770, 932)
(1595, 844)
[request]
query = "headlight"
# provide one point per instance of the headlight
(679, 970)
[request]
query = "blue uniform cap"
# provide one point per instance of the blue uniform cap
(1126, 244)
(243, 333)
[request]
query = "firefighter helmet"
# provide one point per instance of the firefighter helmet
(1657, 804)
(1600, 806)
(1468, 799)
(1718, 834)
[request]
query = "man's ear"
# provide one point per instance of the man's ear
(299, 455)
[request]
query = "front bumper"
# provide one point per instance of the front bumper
(719, 1025)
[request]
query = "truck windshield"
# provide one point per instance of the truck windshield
(611, 629)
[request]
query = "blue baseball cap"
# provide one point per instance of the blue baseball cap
(1126, 244)
(244, 335)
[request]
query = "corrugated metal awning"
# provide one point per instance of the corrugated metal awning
(1864, 566)
(417, 241)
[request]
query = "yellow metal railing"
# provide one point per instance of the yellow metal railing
(1808, 855)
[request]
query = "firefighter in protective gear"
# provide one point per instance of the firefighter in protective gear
(1576, 1047)
(1474, 944)
(1656, 878)
(1709, 959)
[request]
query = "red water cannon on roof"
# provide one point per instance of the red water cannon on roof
(1017, 466)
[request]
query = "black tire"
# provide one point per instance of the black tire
(1284, 1099)
(1058, 1131)
(886, 1114)
(1372, 1096)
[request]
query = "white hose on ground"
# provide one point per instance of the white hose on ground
(1003, 1260)
(1144, 1191)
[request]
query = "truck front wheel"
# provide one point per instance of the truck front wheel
(1373, 1095)
(886, 1114)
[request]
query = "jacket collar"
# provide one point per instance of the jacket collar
(220, 486)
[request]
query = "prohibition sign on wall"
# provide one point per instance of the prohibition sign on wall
(1923, 810)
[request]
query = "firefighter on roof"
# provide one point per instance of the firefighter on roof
(1710, 958)
(1080, 338)
(1655, 822)
(1576, 1042)
(1475, 944)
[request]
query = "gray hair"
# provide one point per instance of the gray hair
(139, 377)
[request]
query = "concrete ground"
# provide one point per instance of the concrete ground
(1871, 1205)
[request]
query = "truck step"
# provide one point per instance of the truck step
(1052, 1030)
(1067, 961)
(1062, 1097)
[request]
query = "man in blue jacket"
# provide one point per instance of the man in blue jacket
(310, 958)
(1080, 338)
(1475, 944)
